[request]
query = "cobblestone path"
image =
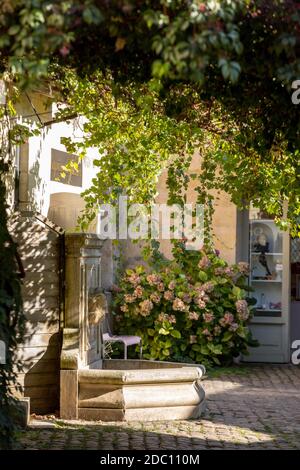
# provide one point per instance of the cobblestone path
(256, 407)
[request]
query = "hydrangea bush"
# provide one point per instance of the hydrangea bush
(194, 308)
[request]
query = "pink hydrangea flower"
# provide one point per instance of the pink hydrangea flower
(227, 319)
(233, 327)
(155, 297)
(242, 307)
(199, 292)
(193, 316)
(178, 304)
(153, 279)
(162, 317)
(124, 308)
(208, 286)
(208, 317)
(172, 285)
(172, 318)
(200, 302)
(187, 298)
(138, 292)
(129, 298)
(165, 317)
(161, 287)
(229, 271)
(134, 279)
(145, 307)
(168, 295)
(243, 267)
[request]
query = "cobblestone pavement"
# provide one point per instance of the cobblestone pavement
(257, 407)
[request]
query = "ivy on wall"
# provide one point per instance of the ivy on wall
(12, 320)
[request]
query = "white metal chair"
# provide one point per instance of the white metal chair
(108, 338)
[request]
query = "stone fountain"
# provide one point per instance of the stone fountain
(93, 388)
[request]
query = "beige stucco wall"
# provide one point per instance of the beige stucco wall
(224, 221)
(224, 228)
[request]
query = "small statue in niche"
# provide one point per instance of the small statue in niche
(98, 307)
(261, 246)
(263, 261)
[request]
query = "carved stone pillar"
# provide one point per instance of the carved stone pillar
(81, 334)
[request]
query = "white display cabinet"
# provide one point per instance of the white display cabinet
(269, 281)
(266, 267)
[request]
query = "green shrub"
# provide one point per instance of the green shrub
(192, 309)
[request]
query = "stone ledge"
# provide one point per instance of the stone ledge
(142, 376)
(140, 396)
(142, 414)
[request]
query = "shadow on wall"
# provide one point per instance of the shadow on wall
(42, 378)
(39, 248)
(33, 178)
(36, 186)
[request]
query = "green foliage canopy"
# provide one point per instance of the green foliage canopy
(238, 60)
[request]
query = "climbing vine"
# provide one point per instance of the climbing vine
(134, 137)
(13, 132)
(12, 320)
(138, 133)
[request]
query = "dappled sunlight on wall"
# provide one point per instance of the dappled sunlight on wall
(39, 249)
(65, 208)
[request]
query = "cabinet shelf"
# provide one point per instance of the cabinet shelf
(266, 281)
(268, 310)
(256, 253)
(261, 221)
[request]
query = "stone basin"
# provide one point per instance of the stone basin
(112, 390)
(139, 390)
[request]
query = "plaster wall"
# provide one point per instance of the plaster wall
(225, 221)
